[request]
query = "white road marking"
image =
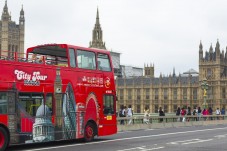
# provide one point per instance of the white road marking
(199, 141)
(177, 142)
(155, 148)
(149, 129)
(191, 141)
(129, 138)
(142, 148)
(221, 136)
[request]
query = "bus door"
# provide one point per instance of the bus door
(109, 119)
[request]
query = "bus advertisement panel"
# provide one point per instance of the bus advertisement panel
(58, 92)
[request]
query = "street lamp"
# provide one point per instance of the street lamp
(204, 87)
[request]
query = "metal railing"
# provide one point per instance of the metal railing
(168, 119)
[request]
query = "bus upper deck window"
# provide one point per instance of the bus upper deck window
(86, 59)
(103, 62)
(72, 58)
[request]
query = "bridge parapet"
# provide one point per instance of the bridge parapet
(169, 121)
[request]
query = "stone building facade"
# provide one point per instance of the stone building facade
(174, 91)
(12, 34)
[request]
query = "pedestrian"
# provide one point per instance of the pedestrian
(210, 113)
(199, 112)
(223, 112)
(122, 114)
(161, 113)
(205, 113)
(125, 112)
(146, 115)
(129, 114)
(194, 113)
(183, 112)
(218, 113)
(178, 114)
(189, 113)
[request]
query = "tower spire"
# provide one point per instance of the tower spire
(97, 17)
(5, 13)
(200, 50)
(97, 41)
(5, 9)
(200, 46)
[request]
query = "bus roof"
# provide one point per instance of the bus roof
(59, 49)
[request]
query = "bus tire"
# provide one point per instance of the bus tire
(4, 139)
(89, 132)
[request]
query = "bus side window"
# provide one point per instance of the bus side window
(72, 58)
(49, 102)
(103, 62)
(3, 103)
(86, 59)
(30, 102)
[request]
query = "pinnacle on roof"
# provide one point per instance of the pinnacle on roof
(97, 16)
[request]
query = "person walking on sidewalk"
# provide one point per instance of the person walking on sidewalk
(129, 114)
(146, 115)
(183, 112)
(178, 114)
(161, 113)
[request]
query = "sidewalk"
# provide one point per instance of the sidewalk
(168, 125)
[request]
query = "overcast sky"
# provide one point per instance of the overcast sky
(165, 33)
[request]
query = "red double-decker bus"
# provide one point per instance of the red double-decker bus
(56, 92)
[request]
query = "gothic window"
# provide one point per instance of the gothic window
(129, 94)
(147, 94)
(156, 94)
(223, 93)
(97, 35)
(194, 93)
(165, 94)
(209, 73)
(121, 94)
(184, 93)
(138, 94)
(175, 94)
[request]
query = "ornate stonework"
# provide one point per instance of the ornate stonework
(183, 90)
(12, 34)
(97, 35)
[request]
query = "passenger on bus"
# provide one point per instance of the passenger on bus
(34, 57)
(99, 65)
(42, 59)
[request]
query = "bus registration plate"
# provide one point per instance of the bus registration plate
(109, 117)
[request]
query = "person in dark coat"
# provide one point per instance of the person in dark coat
(161, 113)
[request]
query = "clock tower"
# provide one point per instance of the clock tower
(213, 67)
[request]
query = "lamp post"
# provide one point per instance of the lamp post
(204, 86)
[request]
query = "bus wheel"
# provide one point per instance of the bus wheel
(3, 139)
(89, 132)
